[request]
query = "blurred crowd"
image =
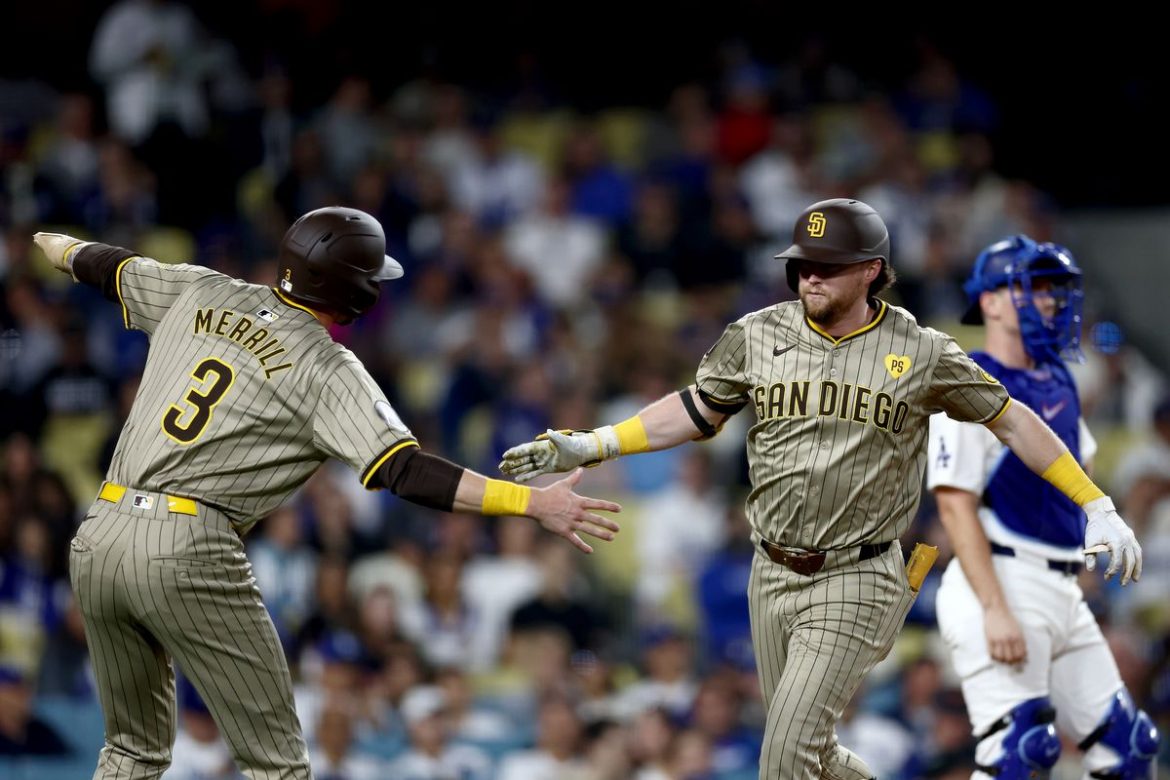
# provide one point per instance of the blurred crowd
(561, 267)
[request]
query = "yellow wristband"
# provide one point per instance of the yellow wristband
(505, 498)
(1069, 478)
(631, 435)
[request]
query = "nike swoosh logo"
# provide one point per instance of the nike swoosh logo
(1051, 411)
(778, 350)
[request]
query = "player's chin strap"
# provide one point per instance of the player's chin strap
(1130, 735)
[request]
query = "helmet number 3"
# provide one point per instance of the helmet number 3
(187, 423)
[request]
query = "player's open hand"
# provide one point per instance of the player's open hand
(553, 451)
(56, 247)
(1107, 532)
(561, 511)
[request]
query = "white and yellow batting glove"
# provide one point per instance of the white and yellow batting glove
(556, 451)
(1105, 531)
(59, 248)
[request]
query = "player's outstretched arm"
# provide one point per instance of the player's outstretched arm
(666, 423)
(1042, 451)
(435, 482)
(556, 507)
(59, 249)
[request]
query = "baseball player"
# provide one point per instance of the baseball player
(842, 385)
(243, 396)
(1019, 632)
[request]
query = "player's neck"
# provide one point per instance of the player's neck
(857, 317)
(1008, 350)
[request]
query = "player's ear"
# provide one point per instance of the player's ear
(988, 304)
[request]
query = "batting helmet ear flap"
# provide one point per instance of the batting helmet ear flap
(332, 260)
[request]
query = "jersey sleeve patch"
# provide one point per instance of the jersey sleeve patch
(384, 410)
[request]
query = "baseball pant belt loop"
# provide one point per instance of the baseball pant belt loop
(811, 561)
(177, 504)
(1064, 567)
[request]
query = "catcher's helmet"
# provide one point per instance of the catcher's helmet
(991, 271)
(1017, 262)
(332, 260)
(840, 230)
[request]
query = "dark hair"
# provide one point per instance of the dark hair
(884, 280)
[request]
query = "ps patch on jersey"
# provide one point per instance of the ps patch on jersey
(267, 315)
(388, 415)
(897, 364)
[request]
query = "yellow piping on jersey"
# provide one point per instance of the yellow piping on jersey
(999, 414)
(289, 302)
(876, 321)
(118, 289)
(377, 464)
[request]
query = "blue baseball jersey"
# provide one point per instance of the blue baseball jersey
(1019, 505)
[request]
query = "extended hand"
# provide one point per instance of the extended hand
(553, 451)
(561, 511)
(56, 247)
(1107, 532)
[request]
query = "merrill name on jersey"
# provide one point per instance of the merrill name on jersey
(842, 400)
(240, 329)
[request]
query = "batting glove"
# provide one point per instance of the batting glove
(59, 248)
(1107, 532)
(554, 451)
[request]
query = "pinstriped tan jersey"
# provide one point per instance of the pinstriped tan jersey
(244, 393)
(837, 452)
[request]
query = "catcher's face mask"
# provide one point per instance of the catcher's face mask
(1051, 330)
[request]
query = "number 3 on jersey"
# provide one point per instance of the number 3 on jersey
(217, 377)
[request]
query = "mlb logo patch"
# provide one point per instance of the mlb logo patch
(286, 285)
(143, 502)
(267, 316)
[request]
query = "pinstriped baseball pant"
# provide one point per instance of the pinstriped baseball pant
(153, 585)
(815, 638)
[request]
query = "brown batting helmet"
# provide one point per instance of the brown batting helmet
(842, 231)
(332, 260)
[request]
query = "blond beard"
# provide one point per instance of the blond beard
(822, 311)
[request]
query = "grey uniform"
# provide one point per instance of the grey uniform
(244, 395)
(836, 458)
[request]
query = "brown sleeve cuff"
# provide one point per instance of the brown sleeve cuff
(97, 265)
(420, 478)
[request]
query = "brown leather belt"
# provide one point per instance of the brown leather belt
(811, 561)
